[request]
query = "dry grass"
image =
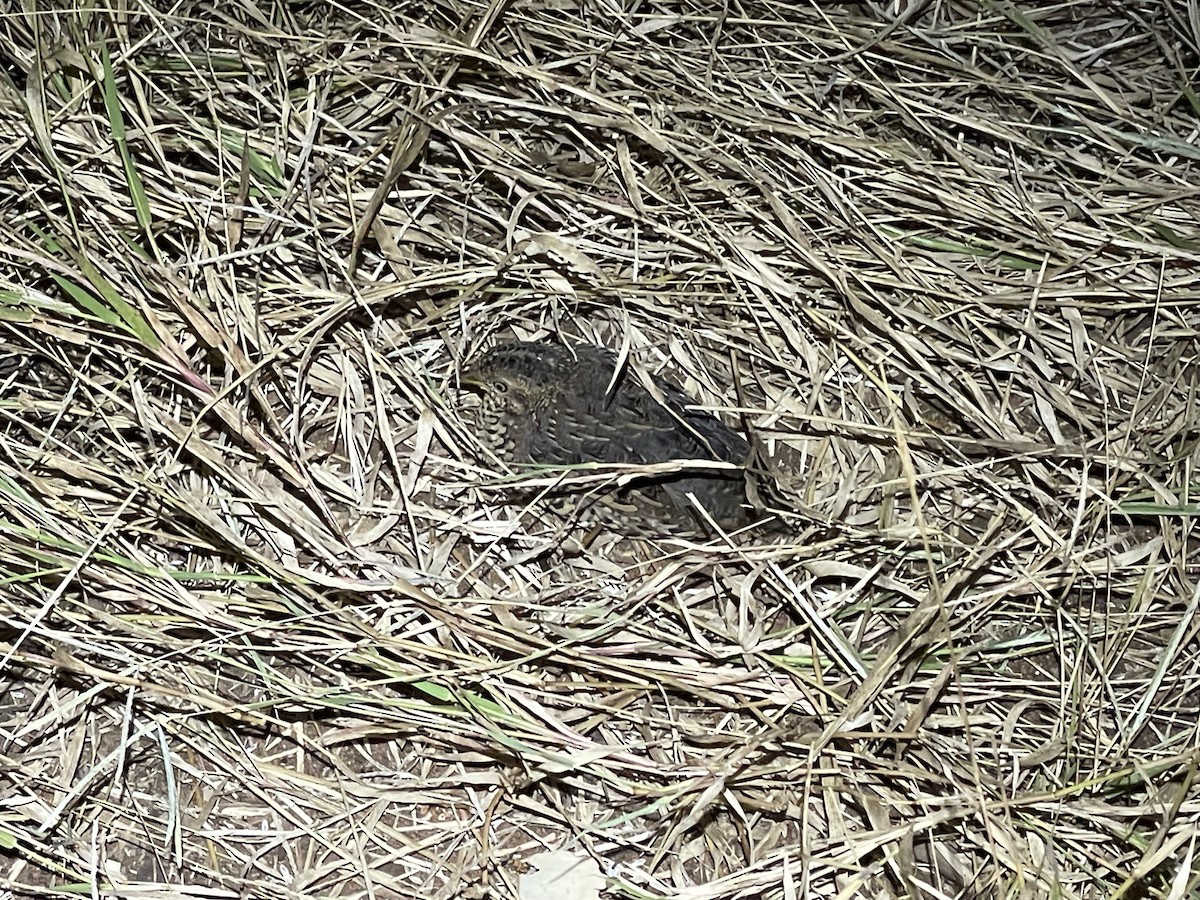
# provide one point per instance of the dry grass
(273, 625)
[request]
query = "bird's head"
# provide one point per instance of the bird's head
(514, 378)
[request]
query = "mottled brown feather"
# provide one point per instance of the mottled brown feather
(549, 404)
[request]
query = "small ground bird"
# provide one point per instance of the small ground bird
(549, 404)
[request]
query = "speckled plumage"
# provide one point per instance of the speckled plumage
(555, 405)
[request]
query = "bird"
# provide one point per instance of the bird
(546, 403)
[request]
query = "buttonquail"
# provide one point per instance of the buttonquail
(554, 405)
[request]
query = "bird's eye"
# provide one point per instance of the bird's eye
(500, 387)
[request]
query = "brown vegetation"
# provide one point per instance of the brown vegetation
(275, 626)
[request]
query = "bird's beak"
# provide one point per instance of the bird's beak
(470, 379)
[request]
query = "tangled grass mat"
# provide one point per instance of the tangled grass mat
(275, 624)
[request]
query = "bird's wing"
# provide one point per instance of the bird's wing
(684, 432)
